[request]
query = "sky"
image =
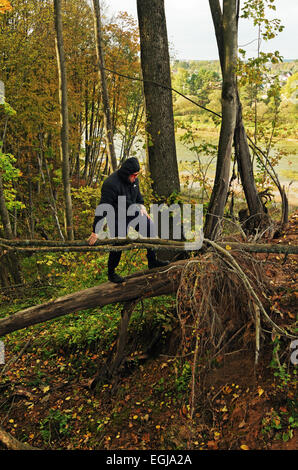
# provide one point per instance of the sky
(191, 33)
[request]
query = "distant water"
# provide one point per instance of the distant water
(286, 169)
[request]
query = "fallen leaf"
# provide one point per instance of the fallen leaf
(45, 389)
(212, 444)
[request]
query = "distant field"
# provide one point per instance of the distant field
(287, 168)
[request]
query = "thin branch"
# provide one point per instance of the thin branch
(162, 86)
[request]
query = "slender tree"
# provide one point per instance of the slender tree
(64, 117)
(12, 260)
(4, 212)
(155, 64)
(104, 89)
(228, 123)
(242, 152)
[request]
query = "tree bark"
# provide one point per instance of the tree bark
(104, 89)
(64, 147)
(228, 123)
(155, 63)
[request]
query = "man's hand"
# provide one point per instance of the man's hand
(143, 211)
(92, 239)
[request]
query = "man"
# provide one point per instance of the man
(124, 182)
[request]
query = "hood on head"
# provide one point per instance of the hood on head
(130, 166)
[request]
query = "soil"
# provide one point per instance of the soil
(239, 406)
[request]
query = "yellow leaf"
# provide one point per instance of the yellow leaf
(46, 388)
(260, 391)
(5, 6)
(244, 447)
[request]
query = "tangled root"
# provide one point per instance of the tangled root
(222, 305)
(213, 303)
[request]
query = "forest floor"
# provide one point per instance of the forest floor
(46, 401)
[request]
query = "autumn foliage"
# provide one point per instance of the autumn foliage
(29, 71)
(5, 6)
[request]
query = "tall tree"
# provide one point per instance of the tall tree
(4, 212)
(11, 260)
(104, 89)
(12, 264)
(228, 123)
(64, 118)
(242, 152)
(155, 64)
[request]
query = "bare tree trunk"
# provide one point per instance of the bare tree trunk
(4, 212)
(11, 259)
(242, 153)
(245, 166)
(228, 124)
(53, 202)
(104, 88)
(161, 147)
(64, 118)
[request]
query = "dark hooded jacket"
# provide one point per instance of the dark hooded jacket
(118, 184)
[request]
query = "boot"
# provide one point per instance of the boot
(114, 277)
(153, 262)
(114, 259)
(158, 263)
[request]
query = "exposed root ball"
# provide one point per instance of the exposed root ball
(213, 303)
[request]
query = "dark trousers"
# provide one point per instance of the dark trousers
(146, 229)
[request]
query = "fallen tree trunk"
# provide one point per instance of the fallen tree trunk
(262, 248)
(151, 283)
(130, 244)
(12, 443)
(141, 285)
